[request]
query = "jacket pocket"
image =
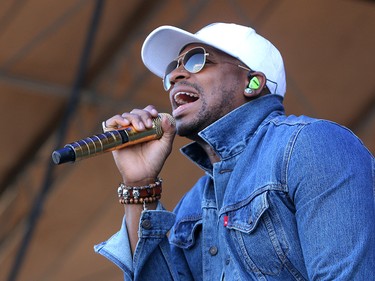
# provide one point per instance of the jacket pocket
(185, 232)
(256, 234)
(245, 217)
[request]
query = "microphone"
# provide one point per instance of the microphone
(109, 141)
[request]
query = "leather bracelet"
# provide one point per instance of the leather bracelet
(140, 194)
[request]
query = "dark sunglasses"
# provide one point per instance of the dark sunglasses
(193, 61)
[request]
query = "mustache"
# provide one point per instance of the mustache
(192, 85)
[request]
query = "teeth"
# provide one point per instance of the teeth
(179, 97)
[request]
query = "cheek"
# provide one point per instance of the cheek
(214, 85)
(225, 84)
(218, 85)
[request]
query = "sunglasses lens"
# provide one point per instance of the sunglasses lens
(193, 61)
(166, 82)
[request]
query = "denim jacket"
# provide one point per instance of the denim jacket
(292, 198)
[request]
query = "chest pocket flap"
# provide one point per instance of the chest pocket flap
(244, 216)
(185, 231)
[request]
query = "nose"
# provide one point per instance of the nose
(177, 75)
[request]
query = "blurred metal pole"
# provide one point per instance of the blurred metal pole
(71, 108)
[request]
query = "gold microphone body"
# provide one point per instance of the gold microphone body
(108, 141)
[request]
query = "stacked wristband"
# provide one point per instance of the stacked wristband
(140, 194)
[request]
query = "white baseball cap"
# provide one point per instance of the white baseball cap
(165, 43)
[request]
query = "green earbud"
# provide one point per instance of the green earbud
(254, 83)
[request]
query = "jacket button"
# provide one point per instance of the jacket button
(213, 251)
(146, 224)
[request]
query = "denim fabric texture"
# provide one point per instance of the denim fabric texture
(291, 199)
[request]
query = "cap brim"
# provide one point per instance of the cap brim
(159, 50)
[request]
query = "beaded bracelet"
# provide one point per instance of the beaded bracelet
(140, 194)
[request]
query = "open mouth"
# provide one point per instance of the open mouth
(182, 98)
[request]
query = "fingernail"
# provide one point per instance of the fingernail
(140, 125)
(149, 123)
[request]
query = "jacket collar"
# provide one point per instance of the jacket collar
(230, 134)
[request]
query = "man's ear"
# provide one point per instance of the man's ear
(256, 81)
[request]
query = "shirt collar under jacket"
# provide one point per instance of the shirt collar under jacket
(229, 135)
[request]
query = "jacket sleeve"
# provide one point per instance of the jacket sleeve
(331, 179)
(152, 255)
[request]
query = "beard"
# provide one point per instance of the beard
(208, 113)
